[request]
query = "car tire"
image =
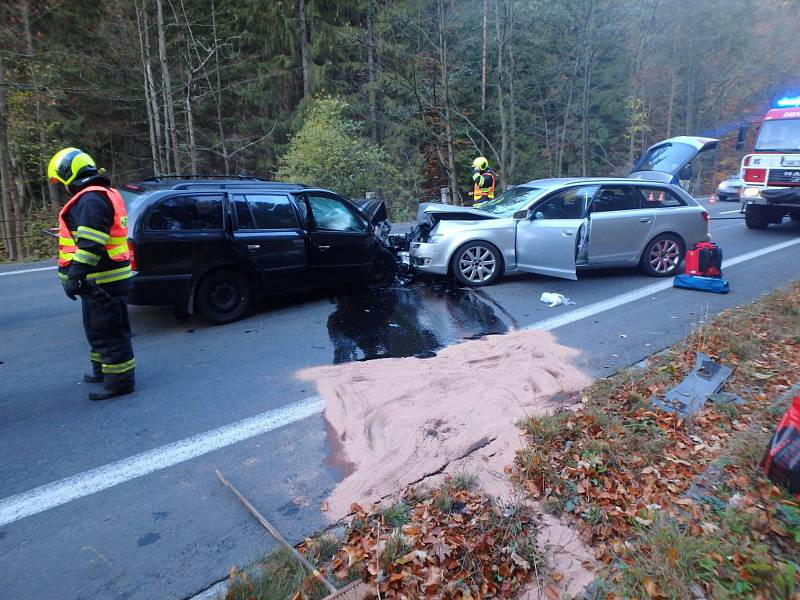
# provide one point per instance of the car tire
(662, 256)
(756, 217)
(223, 296)
(382, 269)
(476, 264)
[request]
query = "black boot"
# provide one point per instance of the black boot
(96, 376)
(114, 385)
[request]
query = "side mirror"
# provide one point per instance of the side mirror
(520, 215)
(742, 137)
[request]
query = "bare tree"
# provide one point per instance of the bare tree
(371, 77)
(448, 131)
(589, 52)
(304, 59)
(7, 191)
(169, 108)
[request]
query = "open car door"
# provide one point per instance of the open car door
(668, 161)
(547, 241)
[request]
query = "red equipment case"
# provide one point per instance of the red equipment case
(705, 260)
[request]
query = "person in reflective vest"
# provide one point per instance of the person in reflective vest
(483, 180)
(94, 264)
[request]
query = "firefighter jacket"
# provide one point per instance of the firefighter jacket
(484, 185)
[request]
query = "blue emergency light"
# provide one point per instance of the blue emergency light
(788, 101)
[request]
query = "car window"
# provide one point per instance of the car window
(186, 213)
(616, 198)
(655, 197)
(568, 204)
(512, 200)
(332, 214)
(264, 211)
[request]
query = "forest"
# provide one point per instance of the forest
(389, 96)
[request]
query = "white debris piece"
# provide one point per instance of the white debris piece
(552, 299)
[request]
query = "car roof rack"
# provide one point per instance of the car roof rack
(159, 178)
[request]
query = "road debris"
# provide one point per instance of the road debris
(688, 397)
(553, 299)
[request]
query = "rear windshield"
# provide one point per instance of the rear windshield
(667, 158)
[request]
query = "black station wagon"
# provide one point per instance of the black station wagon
(212, 245)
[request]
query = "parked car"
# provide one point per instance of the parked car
(212, 245)
(728, 190)
(559, 226)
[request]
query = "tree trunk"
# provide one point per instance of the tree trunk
(501, 24)
(587, 83)
(7, 186)
(304, 50)
(484, 59)
(150, 104)
(673, 80)
(223, 142)
(190, 122)
(169, 108)
(373, 108)
(451, 164)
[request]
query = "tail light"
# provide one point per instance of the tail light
(706, 217)
(755, 175)
(133, 256)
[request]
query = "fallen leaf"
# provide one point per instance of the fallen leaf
(551, 593)
(650, 586)
(323, 506)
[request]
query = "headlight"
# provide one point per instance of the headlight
(750, 192)
(436, 238)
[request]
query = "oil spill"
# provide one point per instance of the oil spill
(415, 320)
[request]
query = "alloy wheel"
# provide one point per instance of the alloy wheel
(665, 255)
(477, 264)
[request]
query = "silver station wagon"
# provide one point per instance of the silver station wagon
(557, 226)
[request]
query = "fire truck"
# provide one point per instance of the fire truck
(771, 173)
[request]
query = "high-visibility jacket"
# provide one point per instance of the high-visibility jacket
(114, 242)
(484, 186)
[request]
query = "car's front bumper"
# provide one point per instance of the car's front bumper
(429, 258)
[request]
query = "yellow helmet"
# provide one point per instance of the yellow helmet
(480, 163)
(68, 164)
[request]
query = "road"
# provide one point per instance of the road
(119, 500)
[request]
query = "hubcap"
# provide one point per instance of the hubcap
(665, 256)
(224, 296)
(477, 264)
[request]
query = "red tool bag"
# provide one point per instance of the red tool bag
(705, 260)
(781, 461)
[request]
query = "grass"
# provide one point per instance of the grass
(277, 575)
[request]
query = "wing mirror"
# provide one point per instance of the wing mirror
(520, 215)
(742, 137)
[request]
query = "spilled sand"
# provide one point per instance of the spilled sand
(399, 421)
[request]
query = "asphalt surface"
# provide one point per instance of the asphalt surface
(175, 530)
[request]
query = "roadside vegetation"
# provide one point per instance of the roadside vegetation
(678, 508)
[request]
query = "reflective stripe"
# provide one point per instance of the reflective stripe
(65, 255)
(116, 250)
(63, 276)
(128, 365)
(93, 234)
(116, 241)
(62, 241)
(112, 275)
(86, 257)
(95, 357)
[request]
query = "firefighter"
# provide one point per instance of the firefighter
(483, 179)
(94, 263)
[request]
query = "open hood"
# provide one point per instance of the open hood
(664, 161)
(374, 210)
(433, 212)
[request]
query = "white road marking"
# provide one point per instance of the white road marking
(648, 290)
(4, 273)
(101, 478)
(89, 482)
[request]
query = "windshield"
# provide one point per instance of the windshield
(781, 134)
(510, 201)
(666, 158)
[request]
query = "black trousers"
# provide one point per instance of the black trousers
(108, 330)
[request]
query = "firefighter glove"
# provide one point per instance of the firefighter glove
(74, 287)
